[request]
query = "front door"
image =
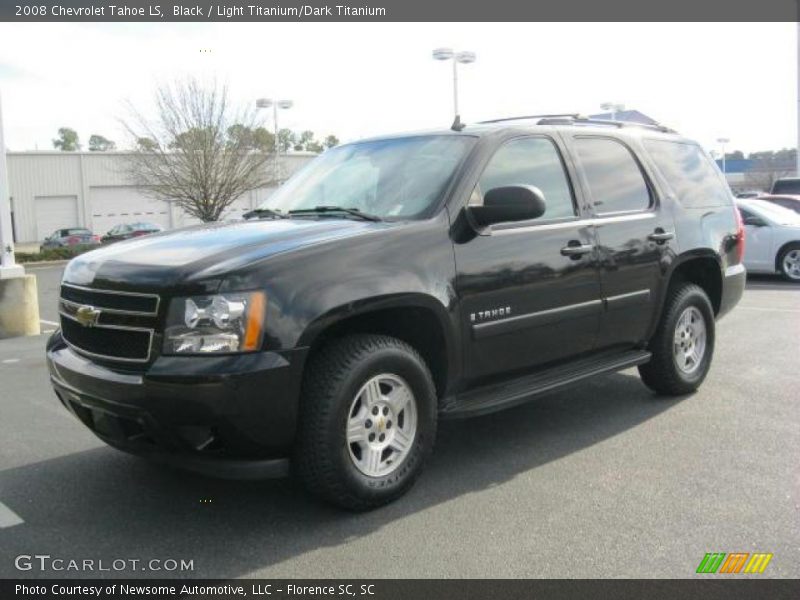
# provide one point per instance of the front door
(529, 291)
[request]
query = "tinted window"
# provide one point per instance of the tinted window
(530, 161)
(615, 181)
(694, 179)
(786, 186)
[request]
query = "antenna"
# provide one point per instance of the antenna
(457, 124)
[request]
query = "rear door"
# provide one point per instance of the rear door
(634, 235)
(525, 300)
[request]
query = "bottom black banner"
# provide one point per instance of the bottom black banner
(400, 589)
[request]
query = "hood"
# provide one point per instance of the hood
(164, 259)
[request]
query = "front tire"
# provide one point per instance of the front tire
(367, 421)
(683, 345)
(789, 263)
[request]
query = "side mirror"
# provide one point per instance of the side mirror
(509, 203)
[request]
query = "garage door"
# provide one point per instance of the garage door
(55, 212)
(111, 206)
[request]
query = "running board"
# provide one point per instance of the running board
(498, 396)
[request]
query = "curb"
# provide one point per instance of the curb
(44, 263)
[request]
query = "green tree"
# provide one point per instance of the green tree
(256, 139)
(302, 142)
(67, 140)
(98, 143)
(286, 140)
(146, 144)
(331, 141)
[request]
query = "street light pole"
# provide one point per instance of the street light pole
(275, 104)
(8, 266)
(464, 57)
(613, 108)
(722, 142)
(797, 158)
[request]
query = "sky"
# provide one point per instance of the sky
(707, 80)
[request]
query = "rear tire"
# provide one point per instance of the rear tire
(367, 421)
(683, 345)
(789, 263)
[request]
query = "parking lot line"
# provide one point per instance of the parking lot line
(8, 518)
(52, 323)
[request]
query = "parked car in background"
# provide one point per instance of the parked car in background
(749, 194)
(72, 236)
(773, 238)
(127, 231)
(784, 200)
(786, 185)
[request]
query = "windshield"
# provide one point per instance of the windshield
(776, 213)
(400, 178)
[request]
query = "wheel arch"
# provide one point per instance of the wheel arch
(702, 268)
(420, 321)
(781, 250)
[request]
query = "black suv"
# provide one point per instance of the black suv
(397, 281)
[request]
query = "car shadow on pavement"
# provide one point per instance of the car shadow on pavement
(776, 283)
(102, 503)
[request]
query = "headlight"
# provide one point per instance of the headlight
(217, 324)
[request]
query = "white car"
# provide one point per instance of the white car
(772, 238)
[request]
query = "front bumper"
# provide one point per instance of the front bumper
(229, 416)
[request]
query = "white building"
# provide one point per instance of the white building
(55, 190)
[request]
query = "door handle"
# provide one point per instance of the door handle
(660, 236)
(575, 249)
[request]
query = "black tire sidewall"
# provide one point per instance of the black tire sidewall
(695, 297)
(395, 361)
(783, 254)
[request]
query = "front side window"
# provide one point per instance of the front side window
(616, 183)
(399, 177)
(690, 173)
(529, 161)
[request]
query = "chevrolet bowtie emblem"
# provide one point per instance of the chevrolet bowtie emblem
(87, 315)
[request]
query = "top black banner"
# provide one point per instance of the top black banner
(397, 10)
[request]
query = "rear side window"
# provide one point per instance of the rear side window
(529, 161)
(690, 173)
(615, 180)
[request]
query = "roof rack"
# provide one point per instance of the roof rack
(606, 122)
(531, 117)
(578, 119)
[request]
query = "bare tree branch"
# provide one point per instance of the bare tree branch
(199, 152)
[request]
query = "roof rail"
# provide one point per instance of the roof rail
(579, 120)
(531, 117)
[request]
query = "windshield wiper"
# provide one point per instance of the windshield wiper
(335, 209)
(264, 212)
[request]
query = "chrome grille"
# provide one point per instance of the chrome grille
(120, 327)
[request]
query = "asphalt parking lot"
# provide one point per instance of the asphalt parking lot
(601, 480)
